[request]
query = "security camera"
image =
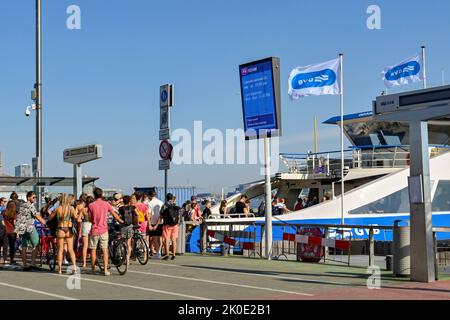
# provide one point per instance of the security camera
(28, 110)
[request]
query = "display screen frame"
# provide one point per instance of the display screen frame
(275, 131)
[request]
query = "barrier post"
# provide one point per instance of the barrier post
(326, 249)
(204, 236)
(230, 230)
(436, 258)
(261, 255)
(371, 248)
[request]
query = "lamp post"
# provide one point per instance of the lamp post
(38, 100)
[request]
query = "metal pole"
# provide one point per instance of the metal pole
(341, 57)
(78, 180)
(424, 68)
(268, 207)
(38, 87)
(165, 185)
(315, 135)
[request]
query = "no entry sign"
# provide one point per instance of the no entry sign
(165, 150)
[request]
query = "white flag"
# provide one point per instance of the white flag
(405, 72)
(315, 80)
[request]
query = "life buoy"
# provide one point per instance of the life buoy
(310, 252)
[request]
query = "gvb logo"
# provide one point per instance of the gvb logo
(374, 280)
(73, 282)
(403, 71)
(315, 79)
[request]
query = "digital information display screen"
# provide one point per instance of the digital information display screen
(260, 98)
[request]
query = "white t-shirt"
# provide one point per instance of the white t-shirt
(156, 206)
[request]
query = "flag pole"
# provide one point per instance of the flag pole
(315, 135)
(424, 68)
(341, 59)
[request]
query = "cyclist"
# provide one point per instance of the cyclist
(98, 211)
(129, 214)
(64, 215)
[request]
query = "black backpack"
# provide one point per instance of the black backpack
(171, 215)
(128, 215)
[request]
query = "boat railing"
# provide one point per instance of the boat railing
(329, 163)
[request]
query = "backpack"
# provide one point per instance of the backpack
(128, 215)
(171, 215)
(141, 214)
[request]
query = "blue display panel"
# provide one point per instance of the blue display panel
(259, 101)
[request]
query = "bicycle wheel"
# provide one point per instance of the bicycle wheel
(141, 250)
(51, 256)
(119, 258)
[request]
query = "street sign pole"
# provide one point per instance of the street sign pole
(165, 149)
(268, 195)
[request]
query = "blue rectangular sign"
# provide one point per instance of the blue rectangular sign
(259, 98)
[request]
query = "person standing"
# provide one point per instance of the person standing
(3, 238)
(143, 215)
(64, 214)
(2, 205)
(170, 214)
(223, 209)
(207, 211)
(9, 216)
(299, 204)
(98, 211)
(25, 228)
(129, 214)
(86, 226)
(155, 229)
(241, 206)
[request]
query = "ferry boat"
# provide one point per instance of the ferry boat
(375, 175)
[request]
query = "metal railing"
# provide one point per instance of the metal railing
(329, 163)
(254, 232)
(232, 215)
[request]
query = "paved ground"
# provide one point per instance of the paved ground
(195, 277)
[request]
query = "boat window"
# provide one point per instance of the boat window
(397, 202)
(441, 200)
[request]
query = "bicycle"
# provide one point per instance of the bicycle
(117, 249)
(140, 249)
(48, 248)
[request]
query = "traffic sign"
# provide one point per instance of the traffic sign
(166, 96)
(165, 150)
(164, 164)
(164, 134)
(164, 118)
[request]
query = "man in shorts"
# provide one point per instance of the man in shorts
(170, 214)
(155, 230)
(24, 227)
(99, 232)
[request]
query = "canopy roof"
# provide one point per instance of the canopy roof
(6, 181)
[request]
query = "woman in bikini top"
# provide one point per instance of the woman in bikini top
(64, 214)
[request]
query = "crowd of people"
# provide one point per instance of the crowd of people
(86, 222)
(279, 207)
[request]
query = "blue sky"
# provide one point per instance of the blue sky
(101, 83)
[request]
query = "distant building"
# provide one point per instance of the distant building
(23, 170)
